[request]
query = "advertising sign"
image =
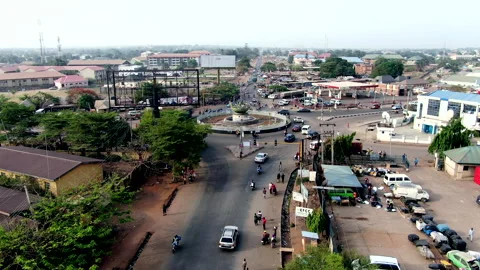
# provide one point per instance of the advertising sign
(297, 196)
(302, 211)
(304, 191)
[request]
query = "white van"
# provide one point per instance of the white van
(307, 103)
(391, 179)
(305, 129)
(410, 191)
(272, 96)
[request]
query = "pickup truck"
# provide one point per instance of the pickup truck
(298, 120)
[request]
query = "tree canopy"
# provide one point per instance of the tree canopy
(452, 136)
(174, 137)
(16, 120)
(317, 258)
(384, 66)
(41, 99)
(146, 92)
(278, 88)
(71, 231)
(268, 67)
(342, 146)
(224, 91)
(335, 67)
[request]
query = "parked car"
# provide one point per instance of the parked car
(303, 110)
(312, 134)
(134, 114)
(336, 101)
(328, 104)
(381, 262)
(463, 260)
(315, 145)
(298, 120)
(261, 157)
(229, 237)
(391, 179)
(284, 112)
(396, 107)
(375, 106)
(296, 128)
(289, 138)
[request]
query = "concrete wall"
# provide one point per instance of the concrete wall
(81, 175)
(457, 170)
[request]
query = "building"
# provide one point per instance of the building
(438, 108)
(457, 56)
(53, 171)
(29, 79)
(14, 202)
(101, 63)
(401, 88)
(463, 163)
(371, 58)
(465, 81)
(139, 59)
(9, 69)
(168, 60)
(303, 59)
(92, 72)
(363, 69)
(293, 53)
(88, 72)
(71, 81)
(353, 60)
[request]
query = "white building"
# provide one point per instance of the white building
(437, 108)
(168, 60)
(465, 81)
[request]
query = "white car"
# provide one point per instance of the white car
(396, 107)
(380, 262)
(261, 157)
(298, 120)
(229, 237)
(336, 101)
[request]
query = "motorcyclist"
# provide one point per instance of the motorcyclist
(252, 184)
(259, 169)
(265, 237)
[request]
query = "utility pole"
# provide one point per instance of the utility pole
(156, 111)
(323, 135)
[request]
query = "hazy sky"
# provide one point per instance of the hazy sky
(268, 23)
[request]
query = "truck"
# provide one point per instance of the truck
(410, 191)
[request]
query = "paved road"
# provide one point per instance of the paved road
(226, 199)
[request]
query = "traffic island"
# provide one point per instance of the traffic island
(245, 150)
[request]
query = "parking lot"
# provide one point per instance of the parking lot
(373, 231)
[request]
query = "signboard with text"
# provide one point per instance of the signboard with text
(297, 196)
(302, 211)
(304, 191)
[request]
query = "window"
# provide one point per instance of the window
(465, 168)
(455, 107)
(433, 108)
(47, 186)
(470, 109)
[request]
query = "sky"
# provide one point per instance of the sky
(367, 24)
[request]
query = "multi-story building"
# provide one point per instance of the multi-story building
(363, 69)
(113, 63)
(438, 108)
(168, 60)
(371, 58)
(29, 79)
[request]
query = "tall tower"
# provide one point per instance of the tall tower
(42, 45)
(59, 46)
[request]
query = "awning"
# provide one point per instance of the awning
(340, 176)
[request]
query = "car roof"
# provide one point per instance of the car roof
(396, 174)
(307, 126)
(383, 259)
(257, 154)
(464, 255)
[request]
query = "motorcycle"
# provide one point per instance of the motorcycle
(252, 185)
(259, 170)
(266, 239)
(175, 243)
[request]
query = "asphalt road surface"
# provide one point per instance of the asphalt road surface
(227, 199)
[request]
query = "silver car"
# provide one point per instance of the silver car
(261, 157)
(229, 237)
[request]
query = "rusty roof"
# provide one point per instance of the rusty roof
(13, 201)
(40, 163)
(30, 75)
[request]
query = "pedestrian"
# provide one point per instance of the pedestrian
(470, 234)
(264, 193)
(244, 264)
(283, 178)
(270, 187)
(164, 209)
(278, 177)
(280, 166)
(404, 157)
(416, 162)
(255, 219)
(274, 230)
(264, 222)
(259, 215)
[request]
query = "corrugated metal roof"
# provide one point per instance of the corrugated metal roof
(469, 155)
(447, 95)
(12, 201)
(340, 176)
(354, 60)
(460, 78)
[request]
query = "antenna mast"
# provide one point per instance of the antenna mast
(59, 48)
(42, 45)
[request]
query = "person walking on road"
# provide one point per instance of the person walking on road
(264, 193)
(470, 234)
(270, 185)
(283, 178)
(244, 264)
(164, 210)
(404, 157)
(255, 219)
(278, 177)
(264, 223)
(280, 167)
(416, 162)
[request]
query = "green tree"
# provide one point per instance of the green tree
(296, 68)
(41, 99)
(317, 258)
(71, 231)
(268, 67)
(452, 136)
(278, 88)
(146, 92)
(317, 62)
(244, 61)
(281, 66)
(225, 91)
(97, 132)
(192, 63)
(335, 67)
(55, 126)
(316, 222)
(86, 102)
(384, 66)
(290, 59)
(13, 114)
(174, 137)
(342, 147)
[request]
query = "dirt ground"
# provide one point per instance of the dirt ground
(146, 208)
